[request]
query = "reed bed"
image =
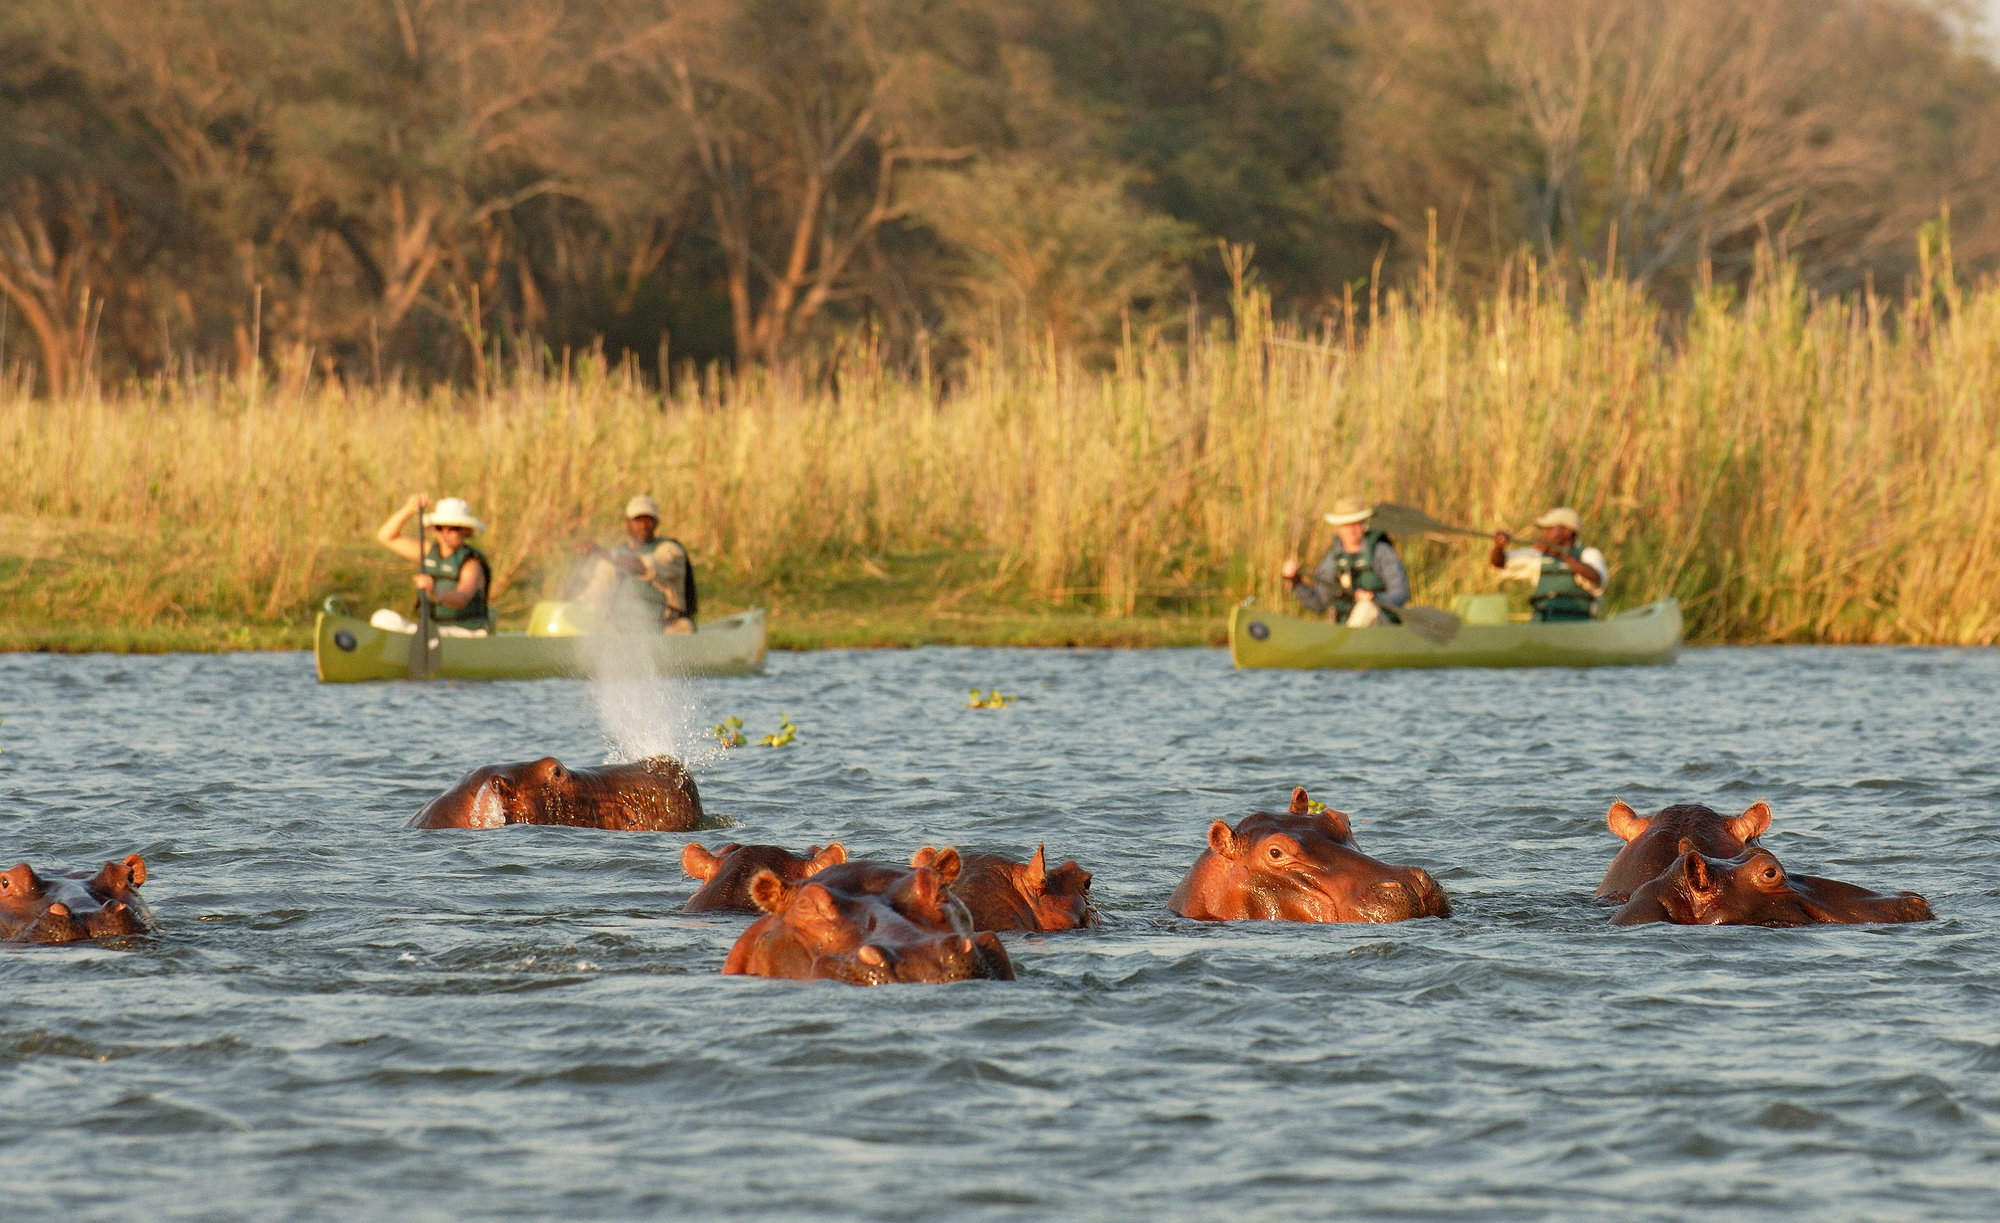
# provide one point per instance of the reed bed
(1793, 469)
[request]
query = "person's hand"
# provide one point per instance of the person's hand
(416, 502)
(1501, 539)
(1364, 596)
(1290, 569)
(424, 582)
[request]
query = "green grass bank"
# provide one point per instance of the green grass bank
(1793, 469)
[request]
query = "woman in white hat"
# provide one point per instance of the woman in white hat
(644, 582)
(1569, 579)
(451, 571)
(1360, 580)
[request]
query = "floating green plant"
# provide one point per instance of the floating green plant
(730, 731)
(786, 732)
(992, 700)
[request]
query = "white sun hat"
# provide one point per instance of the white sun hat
(1350, 509)
(1561, 516)
(643, 506)
(454, 512)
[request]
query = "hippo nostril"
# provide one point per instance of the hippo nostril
(964, 945)
(872, 956)
(59, 909)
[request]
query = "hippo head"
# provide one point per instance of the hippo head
(1003, 894)
(865, 923)
(1753, 888)
(655, 794)
(726, 873)
(65, 908)
(1300, 866)
(1650, 840)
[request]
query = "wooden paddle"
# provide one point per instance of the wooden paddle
(1433, 624)
(424, 645)
(1408, 519)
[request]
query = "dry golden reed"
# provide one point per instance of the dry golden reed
(1793, 469)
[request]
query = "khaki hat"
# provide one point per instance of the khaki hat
(643, 506)
(1350, 509)
(1561, 516)
(454, 512)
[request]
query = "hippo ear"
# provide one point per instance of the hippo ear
(137, 865)
(924, 856)
(1300, 804)
(1337, 825)
(946, 864)
(1038, 871)
(1628, 824)
(698, 862)
(1754, 822)
(1222, 838)
(832, 855)
(767, 891)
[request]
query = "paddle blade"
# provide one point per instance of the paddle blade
(1432, 624)
(424, 643)
(1409, 520)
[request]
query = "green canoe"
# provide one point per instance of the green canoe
(346, 649)
(1259, 637)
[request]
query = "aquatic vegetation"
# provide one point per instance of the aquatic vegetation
(785, 733)
(730, 731)
(993, 699)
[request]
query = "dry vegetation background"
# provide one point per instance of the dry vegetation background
(844, 279)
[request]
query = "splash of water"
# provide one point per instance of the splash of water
(643, 709)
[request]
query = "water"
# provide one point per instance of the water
(344, 1018)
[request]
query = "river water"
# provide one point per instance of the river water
(343, 1018)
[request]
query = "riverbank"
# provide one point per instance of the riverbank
(1791, 469)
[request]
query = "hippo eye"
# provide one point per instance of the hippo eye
(1275, 854)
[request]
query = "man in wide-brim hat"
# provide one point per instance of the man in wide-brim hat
(1360, 580)
(1569, 578)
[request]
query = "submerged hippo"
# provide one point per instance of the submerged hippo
(65, 908)
(865, 923)
(1300, 866)
(1003, 894)
(652, 795)
(1753, 889)
(1650, 841)
(726, 873)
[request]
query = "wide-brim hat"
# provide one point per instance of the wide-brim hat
(454, 512)
(1349, 509)
(1561, 516)
(643, 506)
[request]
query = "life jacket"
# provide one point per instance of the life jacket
(1558, 595)
(445, 569)
(650, 597)
(1356, 571)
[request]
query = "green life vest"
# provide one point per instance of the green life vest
(648, 602)
(1356, 571)
(1558, 595)
(445, 569)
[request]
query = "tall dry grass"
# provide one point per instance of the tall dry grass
(1793, 469)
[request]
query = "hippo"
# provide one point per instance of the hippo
(1300, 866)
(726, 873)
(67, 908)
(866, 923)
(1650, 840)
(652, 795)
(1002, 894)
(1753, 889)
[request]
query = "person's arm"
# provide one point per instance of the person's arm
(1498, 556)
(1594, 573)
(1315, 593)
(666, 569)
(390, 533)
(1396, 582)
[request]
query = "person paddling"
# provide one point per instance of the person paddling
(644, 582)
(1360, 580)
(1569, 579)
(451, 571)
